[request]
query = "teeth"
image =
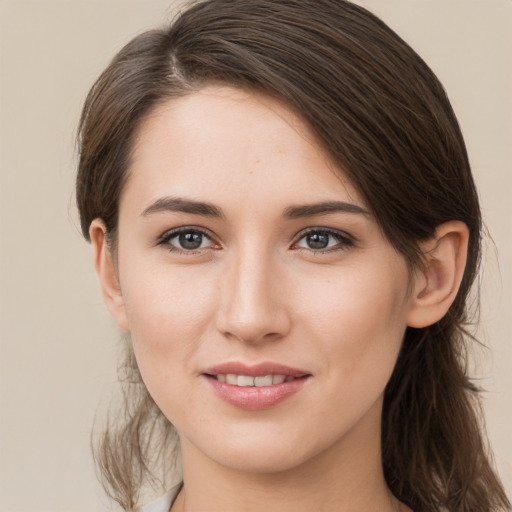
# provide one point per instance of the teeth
(244, 380)
(263, 381)
(232, 379)
(247, 381)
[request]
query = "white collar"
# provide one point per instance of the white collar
(162, 504)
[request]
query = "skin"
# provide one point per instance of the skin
(256, 290)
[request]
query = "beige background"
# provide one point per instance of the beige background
(58, 345)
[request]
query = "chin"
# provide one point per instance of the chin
(253, 453)
(262, 461)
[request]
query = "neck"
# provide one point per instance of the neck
(345, 477)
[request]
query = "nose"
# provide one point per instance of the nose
(253, 300)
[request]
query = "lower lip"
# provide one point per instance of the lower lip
(254, 398)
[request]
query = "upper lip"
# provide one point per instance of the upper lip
(255, 370)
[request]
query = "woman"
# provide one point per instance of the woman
(284, 221)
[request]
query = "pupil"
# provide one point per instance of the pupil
(190, 240)
(318, 240)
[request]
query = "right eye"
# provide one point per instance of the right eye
(186, 240)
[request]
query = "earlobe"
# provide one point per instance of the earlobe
(107, 275)
(437, 284)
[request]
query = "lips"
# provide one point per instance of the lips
(255, 387)
(256, 370)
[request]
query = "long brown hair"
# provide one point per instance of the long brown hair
(384, 118)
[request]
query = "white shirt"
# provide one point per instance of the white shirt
(162, 504)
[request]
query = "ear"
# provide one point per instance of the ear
(107, 274)
(437, 284)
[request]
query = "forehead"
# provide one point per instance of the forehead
(232, 145)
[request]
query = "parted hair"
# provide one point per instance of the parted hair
(384, 118)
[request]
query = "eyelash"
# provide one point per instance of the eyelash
(342, 238)
(165, 239)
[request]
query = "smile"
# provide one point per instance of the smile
(248, 381)
(255, 387)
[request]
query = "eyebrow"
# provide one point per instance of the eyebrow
(178, 204)
(323, 208)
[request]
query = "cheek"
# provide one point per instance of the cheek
(164, 299)
(358, 320)
(168, 311)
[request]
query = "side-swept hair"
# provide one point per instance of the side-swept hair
(384, 118)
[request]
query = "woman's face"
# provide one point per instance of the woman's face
(242, 253)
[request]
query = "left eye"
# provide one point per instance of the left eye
(186, 240)
(323, 239)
